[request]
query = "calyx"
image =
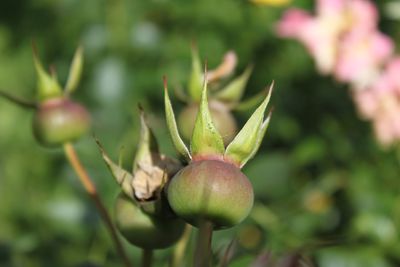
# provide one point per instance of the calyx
(207, 143)
(150, 172)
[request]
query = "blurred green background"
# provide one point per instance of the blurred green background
(323, 185)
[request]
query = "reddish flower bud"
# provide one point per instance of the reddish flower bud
(60, 120)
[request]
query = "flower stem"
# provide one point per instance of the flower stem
(19, 101)
(180, 247)
(147, 257)
(92, 192)
(228, 254)
(202, 254)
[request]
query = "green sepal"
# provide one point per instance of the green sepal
(196, 76)
(206, 139)
(248, 140)
(261, 134)
(172, 127)
(147, 144)
(123, 178)
(75, 71)
(233, 91)
(250, 103)
(181, 95)
(47, 85)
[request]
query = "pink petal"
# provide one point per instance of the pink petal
(364, 14)
(293, 23)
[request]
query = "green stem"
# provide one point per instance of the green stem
(90, 188)
(147, 257)
(19, 101)
(227, 257)
(202, 254)
(180, 247)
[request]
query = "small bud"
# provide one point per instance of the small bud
(211, 190)
(151, 171)
(144, 230)
(225, 99)
(60, 120)
(212, 187)
(222, 118)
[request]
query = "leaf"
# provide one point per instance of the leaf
(75, 71)
(196, 76)
(123, 178)
(172, 127)
(248, 140)
(48, 86)
(206, 139)
(233, 92)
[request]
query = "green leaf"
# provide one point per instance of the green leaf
(206, 139)
(196, 76)
(172, 127)
(123, 178)
(47, 85)
(248, 140)
(75, 71)
(147, 144)
(233, 92)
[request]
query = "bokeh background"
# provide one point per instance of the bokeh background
(324, 187)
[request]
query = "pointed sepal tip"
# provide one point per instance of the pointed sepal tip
(75, 71)
(248, 140)
(206, 140)
(47, 85)
(172, 126)
(122, 177)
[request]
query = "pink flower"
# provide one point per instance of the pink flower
(361, 56)
(393, 73)
(327, 8)
(324, 33)
(363, 15)
(380, 103)
(343, 38)
(293, 23)
(366, 103)
(318, 34)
